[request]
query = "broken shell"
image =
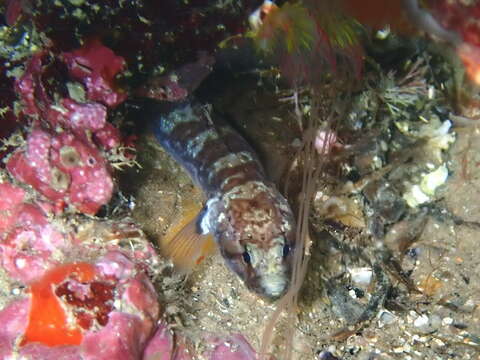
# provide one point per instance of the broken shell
(361, 276)
(427, 324)
(415, 196)
(439, 138)
(386, 318)
(420, 194)
(433, 180)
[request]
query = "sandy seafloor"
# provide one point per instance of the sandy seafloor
(437, 318)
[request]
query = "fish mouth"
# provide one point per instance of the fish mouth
(274, 286)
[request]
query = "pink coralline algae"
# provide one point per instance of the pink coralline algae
(62, 158)
(162, 346)
(114, 316)
(105, 308)
(30, 87)
(11, 198)
(78, 116)
(84, 119)
(28, 242)
(14, 318)
(64, 168)
(96, 66)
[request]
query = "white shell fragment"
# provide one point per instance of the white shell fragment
(443, 129)
(439, 138)
(421, 321)
(420, 194)
(415, 196)
(433, 180)
(386, 318)
(427, 324)
(361, 276)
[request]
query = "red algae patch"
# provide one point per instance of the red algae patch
(48, 323)
(96, 65)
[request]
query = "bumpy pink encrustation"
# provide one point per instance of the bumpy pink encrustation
(96, 66)
(64, 167)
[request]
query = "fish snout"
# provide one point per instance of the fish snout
(274, 286)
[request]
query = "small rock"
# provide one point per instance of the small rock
(426, 323)
(361, 276)
(386, 318)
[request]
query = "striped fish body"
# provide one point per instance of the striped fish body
(251, 221)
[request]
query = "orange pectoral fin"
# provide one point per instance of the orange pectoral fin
(185, 246)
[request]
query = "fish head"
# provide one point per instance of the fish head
(256, 236)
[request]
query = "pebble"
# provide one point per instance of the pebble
(386, 318)
(361, 276)
(447, 321)
(426, 323)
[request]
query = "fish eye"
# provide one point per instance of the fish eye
(286, 250)
(246, 257)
